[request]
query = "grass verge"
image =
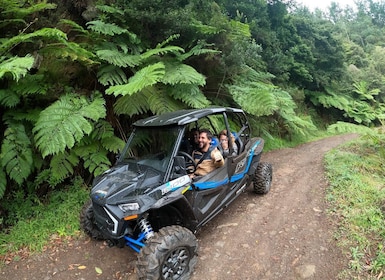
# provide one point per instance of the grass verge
(58, 216)
(356, 174)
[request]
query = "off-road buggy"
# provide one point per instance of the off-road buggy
(147, 200)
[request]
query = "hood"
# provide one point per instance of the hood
(124, 182)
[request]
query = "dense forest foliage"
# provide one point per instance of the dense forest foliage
(75, 74)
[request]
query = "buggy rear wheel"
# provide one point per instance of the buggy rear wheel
(87, 221)
(170, 254)
(262, 178)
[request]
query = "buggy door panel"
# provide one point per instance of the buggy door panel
(210, 192)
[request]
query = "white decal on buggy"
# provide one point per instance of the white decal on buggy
(240, 165)
(177, 183)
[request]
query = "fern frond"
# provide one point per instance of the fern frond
(255, 98)
(22, 115)
(336, 101)
(9, 98)
(161, 103)
(104, 133)
(21, 12)
(145, 77)
(62, 166)
(16, 153)
(95, 159)
(49, 33)
(111, 75)
(72, 51)
(101, 27)
(65, 122)
(15, 66)
(206, 29)
(110, 10)
(190, 95)
(75, 27)
(13, 22)
(3, 182)
(298, 125)
(198, 49)
(118, 58)
(162, 51)
(28, 85)
(178, 73)
(168, 40)
(131, 105)
(344, 127)
(239, 30)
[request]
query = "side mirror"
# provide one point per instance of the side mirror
(179, 165)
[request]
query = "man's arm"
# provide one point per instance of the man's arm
(217, 157)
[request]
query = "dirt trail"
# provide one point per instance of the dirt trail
(285, 234)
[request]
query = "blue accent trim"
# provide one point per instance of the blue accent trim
(211, 185)
(135, 244)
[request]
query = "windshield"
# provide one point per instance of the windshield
(151, 147)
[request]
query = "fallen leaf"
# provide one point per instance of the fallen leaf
(82, 267)
(98, 270)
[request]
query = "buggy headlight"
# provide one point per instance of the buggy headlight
(129, 207)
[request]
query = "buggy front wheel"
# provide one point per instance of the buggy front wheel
(170, 254)
(87, 224)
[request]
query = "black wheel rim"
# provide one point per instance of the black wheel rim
(176, 263)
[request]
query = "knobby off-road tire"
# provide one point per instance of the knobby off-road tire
(170, 254)
(87, 221)
(262, 178)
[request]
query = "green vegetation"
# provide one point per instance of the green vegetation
(71, 87)
(356, 173)
(37, 220)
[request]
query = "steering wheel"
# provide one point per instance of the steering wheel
(190, 162)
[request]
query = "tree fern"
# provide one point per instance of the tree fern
(19, 11)
(190, 95)
(72, 51)
(332, 100)
(95, 159)
(111, 75)
(362, 89)
(16, 67)
(3, 182)
(131, 105)
(344, 127)
(9, 98)
(47, 33)
(162, 103)
(255, 98)
(118, 58)
(65, 122)
(74, 26)
(101, 27)
(199, 49)
(145, 77)
(29, 85)
(16, 153)
(110, 10)
(206, 29)
(62, 166)
(104, 133)
(178, 73)
(161, 51)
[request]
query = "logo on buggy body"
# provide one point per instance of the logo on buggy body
(240, 165)
(175, 184)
